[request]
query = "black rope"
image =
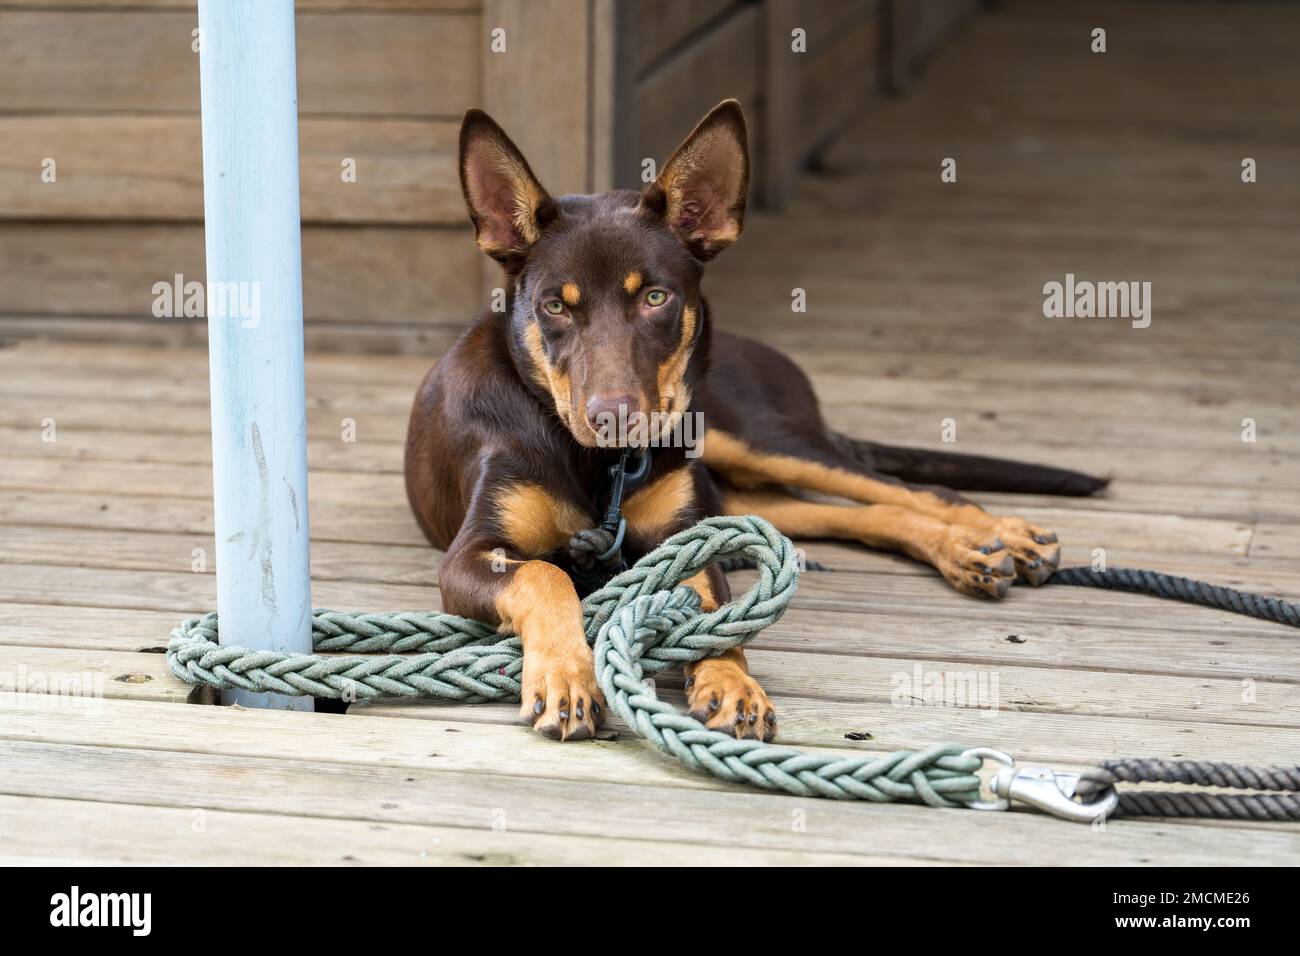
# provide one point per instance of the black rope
(1141, 581)
(1094, 782)
(1175, 588)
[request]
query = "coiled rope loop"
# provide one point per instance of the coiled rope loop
(640, 623)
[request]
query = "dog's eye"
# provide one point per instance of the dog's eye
(656, 297)
(553, 307)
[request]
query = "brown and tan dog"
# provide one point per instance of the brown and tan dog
(505, 461)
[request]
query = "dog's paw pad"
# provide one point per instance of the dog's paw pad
(1035, 550)
(560, 698)
(975, 562)
(720, 695)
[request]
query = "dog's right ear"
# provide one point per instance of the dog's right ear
(507, 204)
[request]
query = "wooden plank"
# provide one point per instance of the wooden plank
(1057, 739)
(1221, 648)
(885, 378)
(82, 679)
(78, 537)
(331, 560)
(105, 414)
(75, 833)
(1275, 539)
(143, 446)
(366, 274)
(349, 338)
(985, 413)
(918, 617)
(126, 166)
(158, 479)
(110, 629)
(348, 739)
(485, 749)
(784, 674)
(1181, 543)
(122, 510)
(1184, 382)
(1032, 628)
(711, 821)
(1194, 421)
(185, 592)
(1214, 456)
(1214, 435)
(389, 523)
(473, 803)
(370, 63)
(483, 739)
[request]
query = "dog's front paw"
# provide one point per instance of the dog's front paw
(721, 695)
(560, 697)
(1034, 549)
(974, 561)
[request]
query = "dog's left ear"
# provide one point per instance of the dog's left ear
(701, 190)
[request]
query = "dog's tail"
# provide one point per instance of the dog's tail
(970, 472)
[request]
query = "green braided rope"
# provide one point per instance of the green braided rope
(641, 622)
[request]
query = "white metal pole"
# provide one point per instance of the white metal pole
(248, 80)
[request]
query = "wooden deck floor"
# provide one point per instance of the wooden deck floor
(924, 305)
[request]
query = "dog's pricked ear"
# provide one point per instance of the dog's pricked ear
(701, 190)
(506, 202)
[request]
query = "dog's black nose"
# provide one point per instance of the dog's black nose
(609, 414)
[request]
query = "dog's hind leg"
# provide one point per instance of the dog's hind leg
(972, 560)
(812, 459)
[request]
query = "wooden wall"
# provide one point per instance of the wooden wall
(109, 90)
(688, 56)
(916, 30)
